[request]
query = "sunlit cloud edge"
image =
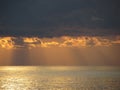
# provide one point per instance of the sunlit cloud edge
(64, 41)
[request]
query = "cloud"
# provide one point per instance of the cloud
(65, 41)
(6, 42)
(59, 18)
(57, 31)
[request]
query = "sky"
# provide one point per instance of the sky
(60, 32)
(49, 18)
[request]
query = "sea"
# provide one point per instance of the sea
(59, 78)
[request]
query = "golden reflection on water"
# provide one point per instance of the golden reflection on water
(58, 78)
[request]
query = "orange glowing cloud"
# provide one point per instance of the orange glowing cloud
(6, 42)
(65, 41)
(31, 40)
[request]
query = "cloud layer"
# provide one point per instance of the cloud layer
(65, 41)
(45, 18)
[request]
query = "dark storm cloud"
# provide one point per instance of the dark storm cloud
(49, 18)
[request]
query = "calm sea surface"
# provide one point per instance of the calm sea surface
(59, 78)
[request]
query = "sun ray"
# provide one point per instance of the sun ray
(65, 50)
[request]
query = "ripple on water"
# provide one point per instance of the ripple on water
(53, 78)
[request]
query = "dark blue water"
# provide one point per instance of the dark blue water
(59, 78)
